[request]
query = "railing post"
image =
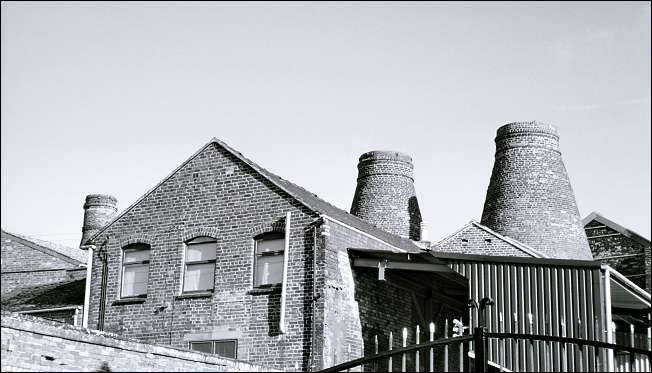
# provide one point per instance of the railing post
(480, 350)
(375, 364)
(404, 355)
(416, 354)
(432, 351)
(446, 346)
(390, 362)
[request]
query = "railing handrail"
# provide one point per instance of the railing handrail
(388, 353)
(586, 342)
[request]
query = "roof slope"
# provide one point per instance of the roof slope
(617, 227)
(73, 255)
(54, 295)
(301, 195)
(484, 247)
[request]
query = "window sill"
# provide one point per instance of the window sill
(129, 301)
(273, 289)
(198, 294)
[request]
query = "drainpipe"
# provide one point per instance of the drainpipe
(87, 291)
(608, 321)
(284, 284)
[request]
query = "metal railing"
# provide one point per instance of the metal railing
(538, 353)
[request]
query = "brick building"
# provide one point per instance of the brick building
(624, 250)
(198, 262)
(225, 257)
(42, 278)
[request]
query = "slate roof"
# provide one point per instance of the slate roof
(508, 240)
(77, 255)
(617, 227)
(59, 294)
(303, 196)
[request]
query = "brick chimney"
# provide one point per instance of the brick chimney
(530, 197)
(99, 209)
(385, 195)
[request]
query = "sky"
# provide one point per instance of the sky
(110, 97)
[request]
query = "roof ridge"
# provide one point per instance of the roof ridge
(615, 226)
(514, 242)
(283, 184)
(48, 247)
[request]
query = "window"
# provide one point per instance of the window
(199, 273)
(225, 348)
(268, 261)
(135, 271)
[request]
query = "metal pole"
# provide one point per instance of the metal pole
(404, 355)
(416, 355)
(480, 350)
(432, 350)
(446, 346)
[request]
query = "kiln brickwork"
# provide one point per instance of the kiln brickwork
(530, 197)
(385, 195)
(99, 209)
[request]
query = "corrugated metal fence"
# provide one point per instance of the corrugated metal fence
(541, 299)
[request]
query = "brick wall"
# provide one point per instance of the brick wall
(357, 306)
(23, 266)
(476, 241)
(625, 255)
(33, 344)
(216, 194)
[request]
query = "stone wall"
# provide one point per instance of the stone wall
(34, 344)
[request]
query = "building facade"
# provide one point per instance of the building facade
(223, 256)
(198, 261)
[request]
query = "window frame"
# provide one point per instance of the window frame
(134, 264)
(187, 244)
(281, 253)
(213, 342)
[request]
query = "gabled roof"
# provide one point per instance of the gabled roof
(617, 227)
(508, 240)
(68, 254)
(301, 195)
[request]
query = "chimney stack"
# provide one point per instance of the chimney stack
(99, 209)
(385, 195)
(530, 197)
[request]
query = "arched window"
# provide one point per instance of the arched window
(135, 270)
(199, 271)
(268, 259)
